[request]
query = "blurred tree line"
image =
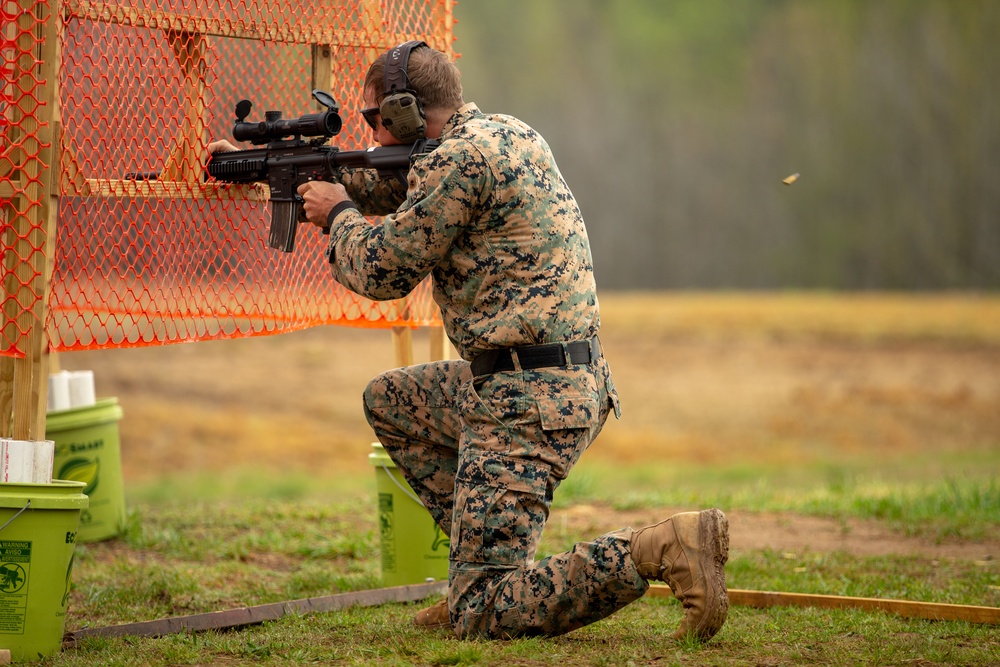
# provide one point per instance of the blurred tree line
(675, 121)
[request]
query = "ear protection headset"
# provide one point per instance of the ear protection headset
(400, 109)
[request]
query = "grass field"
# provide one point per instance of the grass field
(853, 440)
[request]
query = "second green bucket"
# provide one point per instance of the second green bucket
(414, 549)
(87, 450)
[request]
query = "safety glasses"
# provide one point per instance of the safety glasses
(371, 115)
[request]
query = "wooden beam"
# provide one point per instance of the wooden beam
(94, 10)
(933, 611)
(236, 618)
(160, 189)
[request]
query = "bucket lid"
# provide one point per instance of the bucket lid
(378, 458)
(103, 411)
(59, 495)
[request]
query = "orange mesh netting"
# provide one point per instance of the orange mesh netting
(143, 86)
(22, 165)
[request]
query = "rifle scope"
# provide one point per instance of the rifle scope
(274, 127)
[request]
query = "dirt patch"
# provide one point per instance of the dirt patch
(785, 533)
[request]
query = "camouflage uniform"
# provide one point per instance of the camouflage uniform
(489, 215)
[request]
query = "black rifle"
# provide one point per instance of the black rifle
(288, 163)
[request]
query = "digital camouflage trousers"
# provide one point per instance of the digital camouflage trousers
(485, 456)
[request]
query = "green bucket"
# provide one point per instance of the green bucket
(414, 549)
(87, 450)
(38, 524)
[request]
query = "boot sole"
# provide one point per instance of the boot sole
(713, 554)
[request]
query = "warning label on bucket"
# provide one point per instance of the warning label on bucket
(15, 561)
(387, 522)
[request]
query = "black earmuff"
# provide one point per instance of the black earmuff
(401, 112)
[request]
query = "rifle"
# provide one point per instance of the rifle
(286, 163)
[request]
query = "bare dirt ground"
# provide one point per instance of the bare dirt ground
(790, 533)
(292, 402)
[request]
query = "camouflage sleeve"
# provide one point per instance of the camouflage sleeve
(374, 194)
(388, 259)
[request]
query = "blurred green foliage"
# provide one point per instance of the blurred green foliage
(675, 122)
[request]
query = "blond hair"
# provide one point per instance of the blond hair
(435, 79)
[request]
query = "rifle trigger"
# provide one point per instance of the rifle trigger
(299, 202)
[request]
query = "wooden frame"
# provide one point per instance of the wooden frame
(24, 381)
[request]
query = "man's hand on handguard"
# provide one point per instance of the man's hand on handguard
(221, 146)
(319, 198)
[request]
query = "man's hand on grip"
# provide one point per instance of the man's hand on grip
(319, 198)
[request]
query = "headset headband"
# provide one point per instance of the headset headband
(396, 79)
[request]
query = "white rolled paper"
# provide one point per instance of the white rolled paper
(44, 454)
(17, 461)
(81, 389)
(59, 391)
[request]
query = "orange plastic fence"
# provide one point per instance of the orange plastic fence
(143, 86)
(22, 166)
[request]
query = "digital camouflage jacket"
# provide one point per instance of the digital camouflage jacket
(489, 215)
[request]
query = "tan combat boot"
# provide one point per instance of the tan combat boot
(689, 551)
(435, 616)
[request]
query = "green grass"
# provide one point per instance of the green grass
(255, 545)
(635, 636)
(199, 543)
(250, 539)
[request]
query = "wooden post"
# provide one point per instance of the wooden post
(402, 345)
(23, 395)
(8, 212)
(322, 70)
(446, 17)
(371, 10)
(440, 345)
(51, 137)
(184, 162)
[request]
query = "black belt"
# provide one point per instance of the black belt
(537, 356)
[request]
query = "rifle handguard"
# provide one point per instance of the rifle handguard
(242, 170)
